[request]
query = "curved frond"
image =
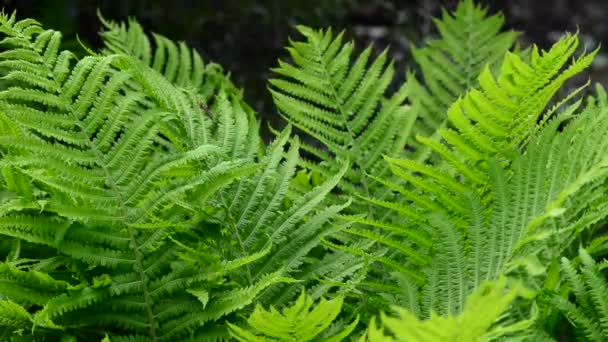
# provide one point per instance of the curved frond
(178, 63)
(109, 164)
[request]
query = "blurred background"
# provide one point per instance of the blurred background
(247, 36)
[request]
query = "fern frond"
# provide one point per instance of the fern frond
(300, 322)
(14, 315)
(32, 287)
(226, 117)
(589, 313)
(502, 115)
(469, 40)
(178, 63)
(486, 129)
(483, 318)
(118, 160)
(342, 102)
(531, 207)
(257, 211)
(534, 211)
(219, 305)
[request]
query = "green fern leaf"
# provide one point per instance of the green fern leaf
(300, 322)
(347, 109)
(449, 66)
(179, 64)
(479, 320)
(117, 161)
(589, 312)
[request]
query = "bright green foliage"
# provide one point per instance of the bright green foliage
(534, 212)
(343, 103)
(482, 319)
(502, 114)
(116, 173)
(14, 315)
(300, 322)
(496, 184)
(139, 203)
(589, 313)
(181, 65)
(256, 214)
(469, 41)
(98, 169)
(227, 115)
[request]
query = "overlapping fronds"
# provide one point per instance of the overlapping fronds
(178, 63)
(226, 119)
(589, 312)
(342, 102)
(501, 115)
(109, 166)
(138, 202)
(79, 136)
(536, 207)
(482, 319)
(300, 322)
(14, 315)
(257, 211)
(450, 65)
(494, 115)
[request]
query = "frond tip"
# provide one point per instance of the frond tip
(479, 321)
(470, 40)
(343, 102)
(300, 322)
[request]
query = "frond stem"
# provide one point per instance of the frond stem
(112, 184)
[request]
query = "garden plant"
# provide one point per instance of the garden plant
(139, 202)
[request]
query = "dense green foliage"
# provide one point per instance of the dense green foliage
(139, 202)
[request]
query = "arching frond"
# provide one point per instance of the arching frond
(139, 203)
(14, 315)
(464, 164)
(257, 211)
(501, 116)
(343, 103)
(226, 119)
(110, 166)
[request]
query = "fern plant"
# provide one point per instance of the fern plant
(116, 172)
(346, 108)
(178, 63)
(93, 178)
(253, 203)
(449, 66)
(588, 313)
(138, 201)
(476, 185)
(477, 150)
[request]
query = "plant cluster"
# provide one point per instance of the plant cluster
(139, 202)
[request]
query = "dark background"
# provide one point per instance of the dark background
(248, 36)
